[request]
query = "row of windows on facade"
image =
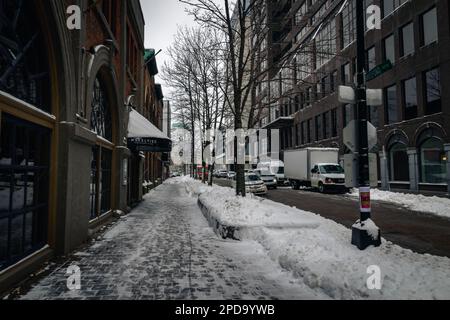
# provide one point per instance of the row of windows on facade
(395, 109)
(348, 16)
(326, 124)
(432, 160)
(325, 48)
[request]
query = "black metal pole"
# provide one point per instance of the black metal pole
(362, 112)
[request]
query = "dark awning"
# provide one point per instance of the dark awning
(146, 137)
(281, 122)
(159, 92)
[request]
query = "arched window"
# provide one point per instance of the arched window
(24, 67)
(397, 153)
(100, 112)
(102, 153)
(398, 162)
(433, 167)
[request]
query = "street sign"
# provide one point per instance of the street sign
(351, 170)
(373, 170)
(346, 95)
(374, 97)
(379, 70)
(350, 136)
(372, 135)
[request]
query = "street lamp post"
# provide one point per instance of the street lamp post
(364, 232)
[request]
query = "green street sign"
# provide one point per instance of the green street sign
(178, 126)
(379, 70)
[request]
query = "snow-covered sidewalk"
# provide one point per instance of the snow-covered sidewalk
(165, 249)
(318, 251)
(414, 202)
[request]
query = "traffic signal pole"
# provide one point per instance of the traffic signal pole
(362, 237)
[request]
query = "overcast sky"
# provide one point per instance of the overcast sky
(161, 20)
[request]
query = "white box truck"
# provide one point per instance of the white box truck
(276, 167)
(315, 167)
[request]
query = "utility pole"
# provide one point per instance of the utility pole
(363, 232)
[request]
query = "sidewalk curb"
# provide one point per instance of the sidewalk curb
(224, 231)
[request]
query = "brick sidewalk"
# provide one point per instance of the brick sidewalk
(165, 250)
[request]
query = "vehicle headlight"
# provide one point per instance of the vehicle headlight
(328, 180)
(275, 180)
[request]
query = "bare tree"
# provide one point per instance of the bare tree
(195, 73)
(247, 34)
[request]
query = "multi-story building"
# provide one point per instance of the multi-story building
(311, 51)
(152, 110)
(66, 99)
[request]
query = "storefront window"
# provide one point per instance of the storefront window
(24, 145)
(432, 161)
(24, 188)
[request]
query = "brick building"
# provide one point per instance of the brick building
(153, 111)
(67, 97)
(311, 51)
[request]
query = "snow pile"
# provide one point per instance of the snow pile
(369, 226)
(230, 210)
(325, 260)
(414, 202)
(322, 255)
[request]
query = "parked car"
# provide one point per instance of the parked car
(221, 174)
(253, 184)
(269, 179)
(231, 174)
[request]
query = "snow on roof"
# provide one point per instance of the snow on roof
(140, 127)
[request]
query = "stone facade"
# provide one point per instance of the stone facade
(95, 77)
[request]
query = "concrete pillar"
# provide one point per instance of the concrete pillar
(413, 159)
(384, 171)
(121, 193)
(447, 153)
